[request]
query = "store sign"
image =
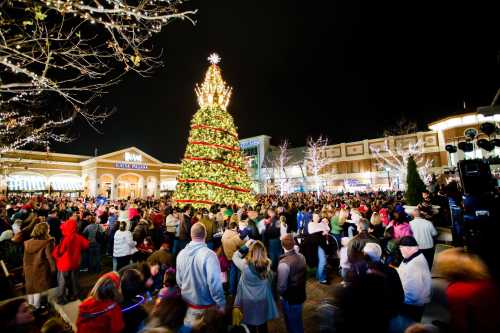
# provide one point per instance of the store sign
(354, 183)
(249, 144)
(124, 165)
(129, 157)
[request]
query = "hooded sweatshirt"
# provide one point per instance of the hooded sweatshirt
(198, 275)
(67, 253)
(99, 316)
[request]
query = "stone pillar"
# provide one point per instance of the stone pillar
(112, 195)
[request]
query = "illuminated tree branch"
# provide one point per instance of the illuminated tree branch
(397, 159)
(68, 53)
(316, 158)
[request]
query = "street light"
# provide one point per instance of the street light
(388, 170)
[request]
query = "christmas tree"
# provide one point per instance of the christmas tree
(213, 169)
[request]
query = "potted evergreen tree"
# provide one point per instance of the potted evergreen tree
(414, 186)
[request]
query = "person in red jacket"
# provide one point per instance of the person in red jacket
(473, 296)
(67, 256)
(101, 311)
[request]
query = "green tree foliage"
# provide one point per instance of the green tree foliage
(415, 185)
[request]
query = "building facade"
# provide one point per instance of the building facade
(125, 173)
(374, 164)
(369, 164)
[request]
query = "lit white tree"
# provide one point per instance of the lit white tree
(397, 159)
(275, 166)
(316, 158)
(283, 159)
(57, 56)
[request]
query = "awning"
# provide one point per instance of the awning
(26, 183)
(71, 187)
(66, 183)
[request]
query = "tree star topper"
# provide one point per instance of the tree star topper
(213, 92)
(214, 58)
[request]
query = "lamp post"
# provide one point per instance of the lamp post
(388, 170)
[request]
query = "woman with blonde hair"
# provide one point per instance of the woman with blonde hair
(254, 295)
(38, 263)
(336, 224)
(473, 297)
(376, 228)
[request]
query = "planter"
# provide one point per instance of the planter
(409, 209)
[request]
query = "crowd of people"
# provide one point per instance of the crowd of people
(235, 269)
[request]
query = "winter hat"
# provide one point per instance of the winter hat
(407, 241)
(6, 235)
(399, 209)
(373, 251)
(228, 212)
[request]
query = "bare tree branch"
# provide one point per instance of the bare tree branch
(72, 52)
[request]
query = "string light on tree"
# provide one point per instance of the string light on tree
(213, 92)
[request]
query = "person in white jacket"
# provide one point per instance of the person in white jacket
(124, 247)
(415, 277)
(424, 233)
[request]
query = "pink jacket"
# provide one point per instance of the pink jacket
(401, 230)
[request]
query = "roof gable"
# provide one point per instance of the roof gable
(131, 154)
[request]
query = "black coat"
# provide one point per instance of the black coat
(309, 247)
(55, 228)
(378, 290)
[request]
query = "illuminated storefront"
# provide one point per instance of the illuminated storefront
(130, 172)
(355, 166)
(127, 173)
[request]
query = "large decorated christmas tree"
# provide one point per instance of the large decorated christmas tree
(213, 169)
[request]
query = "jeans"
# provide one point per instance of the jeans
(429, 256)
(94, 257)
(84, 262)
(293, 317)
(274, 252)
(234, 277)
(122, 262)
(321, 270)
(67, 283)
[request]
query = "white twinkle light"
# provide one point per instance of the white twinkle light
(214, 58)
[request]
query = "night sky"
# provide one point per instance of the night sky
(344, 69)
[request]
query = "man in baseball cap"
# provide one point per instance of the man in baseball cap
(416, 278)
